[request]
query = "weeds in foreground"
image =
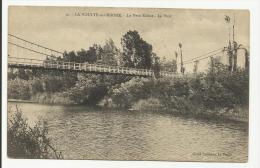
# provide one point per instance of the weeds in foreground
(24, 141)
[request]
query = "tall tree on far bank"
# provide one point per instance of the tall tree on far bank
(137, 53)
(110, 53)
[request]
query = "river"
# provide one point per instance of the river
(86, 133)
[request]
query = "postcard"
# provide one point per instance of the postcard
(99, 83)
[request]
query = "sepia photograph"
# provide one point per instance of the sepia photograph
(135, 84)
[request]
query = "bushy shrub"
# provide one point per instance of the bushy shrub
(24, 141)
(89, 89)
(238, 84)
(121, 97)
(37, 86)
(53, 83)
(126, 94)
(217, 96)
(19, 89)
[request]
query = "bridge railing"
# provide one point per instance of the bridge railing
(53, 64)
(96, 68)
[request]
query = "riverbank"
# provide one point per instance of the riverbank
(232, 115)
(240, 114)
(21, 101)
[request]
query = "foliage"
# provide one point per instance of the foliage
(26, 89)
(187, 94)
(90, 89)
(137, 53)
(19, 73)
(237, 83)
(19, 89)
(91, 55)
(29, 142)
(110, 53)
(125, 94)
(106, 54)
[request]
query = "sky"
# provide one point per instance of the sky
(73, 28)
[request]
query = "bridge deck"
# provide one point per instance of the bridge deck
(84, 67)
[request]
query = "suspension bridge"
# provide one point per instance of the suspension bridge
(25, 54)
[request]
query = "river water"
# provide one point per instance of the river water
(86, 133)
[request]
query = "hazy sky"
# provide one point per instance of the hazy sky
(200, 31)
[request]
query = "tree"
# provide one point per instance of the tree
(70, 57)
(137, 53)
(82, 55)
(93, 53)
(110, 53)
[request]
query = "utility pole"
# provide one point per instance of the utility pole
(230, 57)
(235, 47)
(234, 27)
(232, 46)
(182, 68)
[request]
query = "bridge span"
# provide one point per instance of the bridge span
(27, 63)
(25, 54)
